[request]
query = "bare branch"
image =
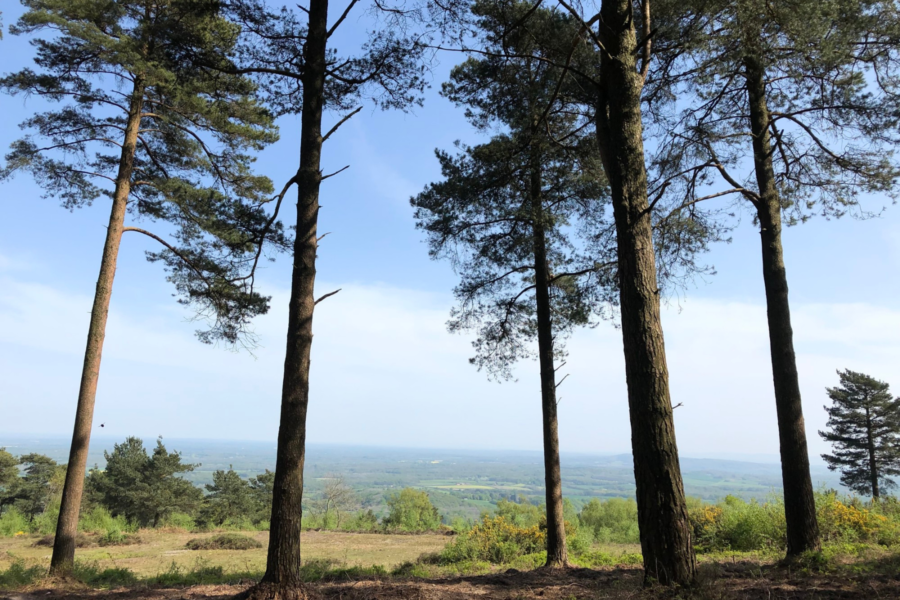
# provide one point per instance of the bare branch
(327, 295)
(324, 177)
(339, 123)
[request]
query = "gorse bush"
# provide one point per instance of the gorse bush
(496, 540)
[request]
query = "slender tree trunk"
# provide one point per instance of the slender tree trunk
(662, 513)
(557, 552)
(799, 502)
(283, 578)
(873, 465)
(63, 558)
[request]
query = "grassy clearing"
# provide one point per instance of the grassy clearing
(159, 551)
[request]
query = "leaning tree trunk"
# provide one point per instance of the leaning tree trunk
(662, 512)
(282, 578)
(799, 501)
(63, 558)
(557, 553)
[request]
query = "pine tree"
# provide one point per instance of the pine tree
(621, 35)
(770, 103)
(511, 214)
(165, 140)
(144, 488)
(300, 73)
(864, 430)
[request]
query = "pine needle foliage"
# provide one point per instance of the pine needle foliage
(102, 60)
(864, 431)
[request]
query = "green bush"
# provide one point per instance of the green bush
(91, 574)
(364, 520)
(225, 541)
(495, 540)
(114, 537)
(13, 522)
(611, 521)
(521, 514)
(18, 575)
(179, 520)
(100, 520)
(411, 510)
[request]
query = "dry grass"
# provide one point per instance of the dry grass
(158, 550)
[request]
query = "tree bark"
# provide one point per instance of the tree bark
(662, 513)
(63, 558)
(282, 578)
(873, 465)
(799, 501)
(557, 552)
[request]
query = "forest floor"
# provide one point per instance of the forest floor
(854, 573)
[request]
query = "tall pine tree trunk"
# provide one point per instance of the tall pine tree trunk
(873, 465)
(63, 558)
(557, 552)
(799, 502)
(662, 513)
(283, 578)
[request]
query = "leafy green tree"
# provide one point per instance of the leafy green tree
(512, 213)
(9, 475)
(411, 510)
(144, 488)
(164, 140)
(779, 106)
(613, 520)
(228, 497)
(31, 493)
(293, 55)
(864, 431)
(262, 489)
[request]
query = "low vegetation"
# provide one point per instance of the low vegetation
(225, 541)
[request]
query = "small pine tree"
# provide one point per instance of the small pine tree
(864, 429)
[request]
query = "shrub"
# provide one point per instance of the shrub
(179, 520)
(91, 574)
(12, 522)
(100, 520)
(114, 537)
(850, 520)
(611, 521)
(737, 525)
(81, 541)
(364, 520)
(521, 514)
(225, 541)
(411, 510)
(495, 540)
(18, 575)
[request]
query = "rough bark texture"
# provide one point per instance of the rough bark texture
(283, 578)
(63, 557)
(557, 552)
(662, 513)
(799, 502)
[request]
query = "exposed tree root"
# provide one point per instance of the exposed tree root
(272, 591)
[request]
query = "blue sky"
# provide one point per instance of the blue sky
(385, 371)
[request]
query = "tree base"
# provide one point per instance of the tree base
(272, 591)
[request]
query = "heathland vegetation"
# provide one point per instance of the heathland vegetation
(621, 139)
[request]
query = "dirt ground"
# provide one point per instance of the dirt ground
(740, 581)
